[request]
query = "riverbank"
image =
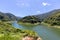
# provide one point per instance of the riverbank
(8, 32)
(49, 25)
(28, 24)
(45, 32)
(35, 24)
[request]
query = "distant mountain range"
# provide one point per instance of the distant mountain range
(41, 17)
(49, 17)
(52, 17)
(8, 16)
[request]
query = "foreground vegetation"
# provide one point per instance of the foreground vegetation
(8, 32)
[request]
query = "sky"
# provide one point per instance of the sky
(28, 7)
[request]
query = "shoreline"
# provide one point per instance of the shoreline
(35, 24)
(46, 24)
(28, 24)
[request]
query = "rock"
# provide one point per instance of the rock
(28, 38)
(39, 38)
(31, 38)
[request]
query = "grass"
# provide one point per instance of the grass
(8, 32)
(13, 36)
(9, 37)
(28, 24)
(49, 25)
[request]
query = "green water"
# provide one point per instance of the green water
(46, 33)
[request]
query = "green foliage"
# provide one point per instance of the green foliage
(53, 19)
(29, 19)
(8, 17)
(7, 32)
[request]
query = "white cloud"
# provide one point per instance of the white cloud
(38, 11)
(22, 4)
(45, 4)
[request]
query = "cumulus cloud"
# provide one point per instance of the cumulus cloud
(45, 4)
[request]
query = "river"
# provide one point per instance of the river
(46, 33)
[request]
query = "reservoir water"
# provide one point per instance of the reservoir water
(45, 32)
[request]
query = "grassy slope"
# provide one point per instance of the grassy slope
(7, 32)
(28, 24)
(49, 25)
(53, 20)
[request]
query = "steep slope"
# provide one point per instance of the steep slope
(29, 19)
(8, 17)
(11, 16)
(41, 17)
(53, 19)
(46, 15)
(8, 32)
(3, 16)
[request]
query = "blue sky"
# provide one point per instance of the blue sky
(28, 7)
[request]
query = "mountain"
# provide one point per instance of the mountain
(29, 19)
(3, 16)
(8, 16)
(53, 19)
(11, 16)
(41, 17)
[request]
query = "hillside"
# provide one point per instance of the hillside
(43, 16)
(8, 17)
(8, 32)
(11, 16)
(53, 19)
(29, 19)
